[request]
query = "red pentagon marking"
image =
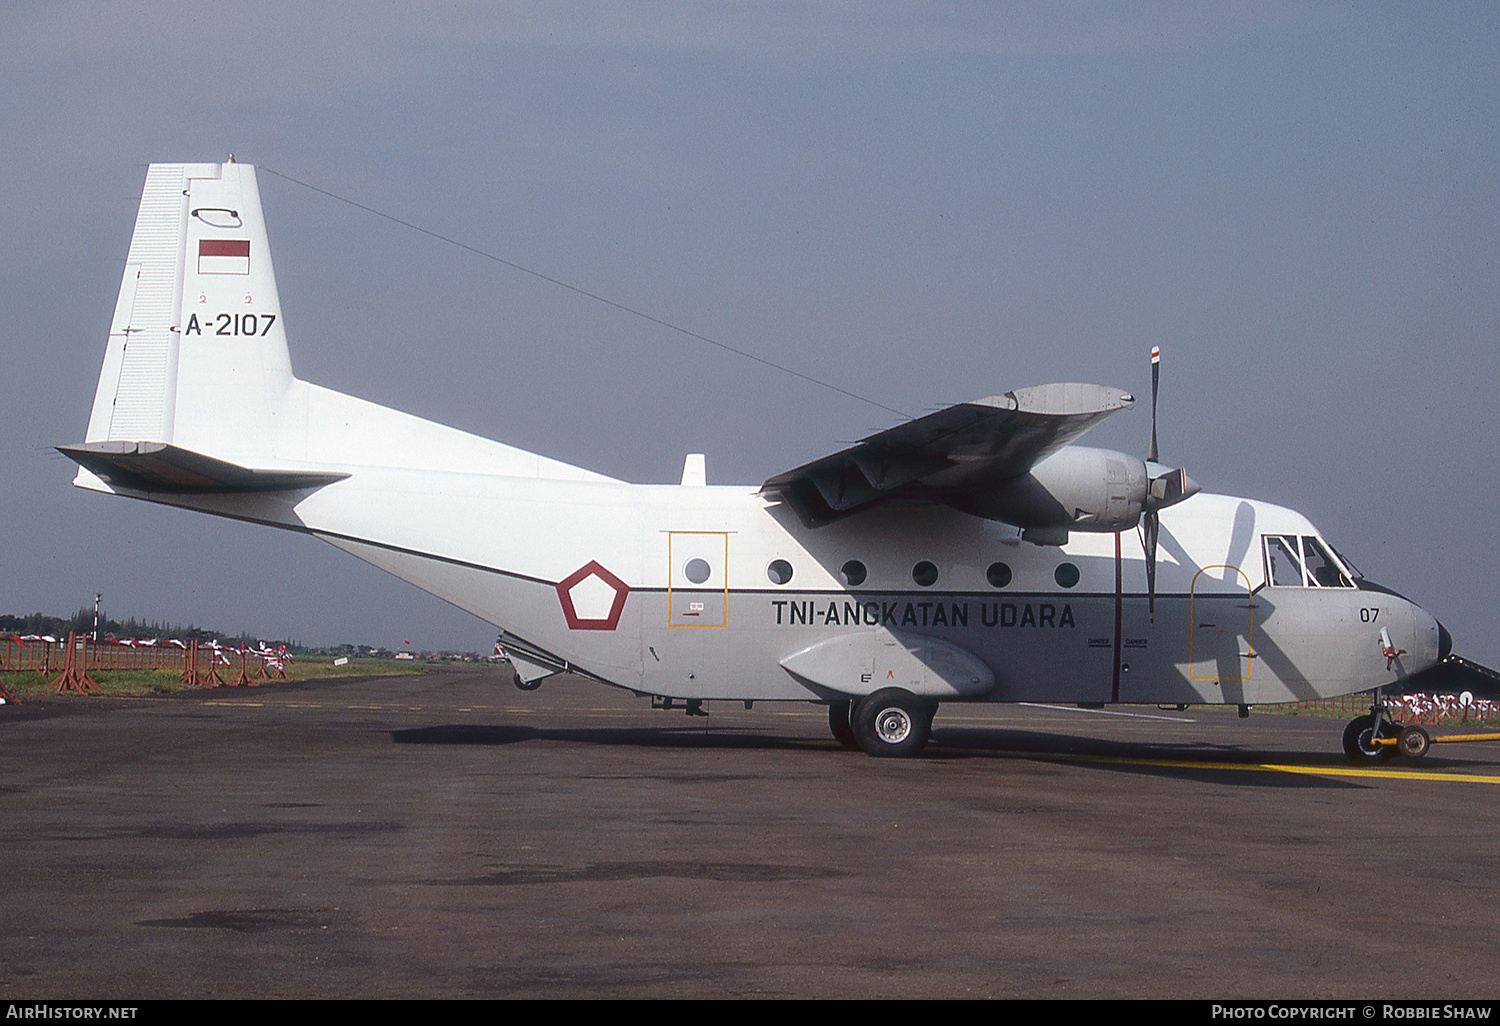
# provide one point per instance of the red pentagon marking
(590, 596)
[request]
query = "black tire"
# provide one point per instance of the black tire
(1358, 735)
(527, 685)
(1413, 742)
(838, 722)
(891, 724)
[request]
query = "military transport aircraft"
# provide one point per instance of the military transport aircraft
(972, 555)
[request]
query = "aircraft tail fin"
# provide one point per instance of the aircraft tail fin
(197, 353)
(197, 392)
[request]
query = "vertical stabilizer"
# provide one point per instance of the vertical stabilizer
(197, 352)
(197, 392)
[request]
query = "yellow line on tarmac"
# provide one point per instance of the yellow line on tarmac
(1269, 767)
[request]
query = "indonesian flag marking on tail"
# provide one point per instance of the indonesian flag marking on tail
(223, 256)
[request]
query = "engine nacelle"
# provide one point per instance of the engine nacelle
(1074, 489)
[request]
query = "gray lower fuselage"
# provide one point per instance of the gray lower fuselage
(706, 613)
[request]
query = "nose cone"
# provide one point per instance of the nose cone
(1445, 643)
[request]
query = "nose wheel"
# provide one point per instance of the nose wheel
(1362, 736)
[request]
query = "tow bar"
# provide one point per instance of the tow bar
(1413, 741)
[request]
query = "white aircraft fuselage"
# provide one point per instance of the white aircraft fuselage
(698, 591)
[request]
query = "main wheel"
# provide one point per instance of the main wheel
(1359, 739)
(891, 723)
(1413, 742)
(838, 722)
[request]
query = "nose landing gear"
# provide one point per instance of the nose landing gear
(1376, 736)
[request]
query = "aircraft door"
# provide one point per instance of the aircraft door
(1221, 638)
(697, 579)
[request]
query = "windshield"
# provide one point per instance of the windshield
(1294, 561)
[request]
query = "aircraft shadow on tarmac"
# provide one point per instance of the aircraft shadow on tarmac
(1231, 764)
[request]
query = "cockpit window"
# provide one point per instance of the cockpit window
(1283, 568)
(1321, 570)
(1293, 562)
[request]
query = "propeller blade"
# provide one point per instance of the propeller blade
(1155, 387)
(1152, 526)
(1152, 518)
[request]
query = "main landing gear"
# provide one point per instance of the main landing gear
(891, 723)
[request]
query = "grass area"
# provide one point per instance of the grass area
(147, 683)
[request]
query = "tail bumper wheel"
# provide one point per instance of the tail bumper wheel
(1359, 739)
(526, 685)
(891, 723)
(838, 722)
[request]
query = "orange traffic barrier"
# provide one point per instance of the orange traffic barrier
(243, 678)
(75, 675)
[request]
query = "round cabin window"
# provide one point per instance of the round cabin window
(852, 573)
(780, 571)
(697, 570)
(925, 574)
(1066, 575)
(998, 575)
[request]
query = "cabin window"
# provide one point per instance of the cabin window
(780, 571)
(1066, 575)
(697, 570)
(852, 573)
(1293, 562)
(925, 574)
(998, 575)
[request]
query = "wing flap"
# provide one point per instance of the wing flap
(954, 449)
(160, 467)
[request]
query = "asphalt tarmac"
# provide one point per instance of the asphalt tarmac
(450, 836)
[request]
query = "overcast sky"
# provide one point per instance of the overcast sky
(921, 203)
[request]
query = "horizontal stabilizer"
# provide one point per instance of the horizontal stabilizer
(159, 467)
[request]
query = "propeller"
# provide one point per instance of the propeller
(1167, 487)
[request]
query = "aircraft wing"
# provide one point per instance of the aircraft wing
(950, 451)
